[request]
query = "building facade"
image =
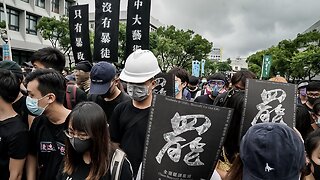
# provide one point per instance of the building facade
(216, 54)
(315, 26)
(239, 64)
(23, 17)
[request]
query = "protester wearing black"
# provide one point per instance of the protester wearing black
(14, 140)
(82, 74)
(104, 88)
(193, 86)
(46, 58)
(234, 99)
(181, 79)
(46, 89)
(19, 105)
(89, 152)
(129, 121)
(216, 85)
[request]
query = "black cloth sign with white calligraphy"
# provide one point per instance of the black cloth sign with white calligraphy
(138, 22)
(106, 30)
(165, 84)
(267, 101)
(183, 142)
(79, 32)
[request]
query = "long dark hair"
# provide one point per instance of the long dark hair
(235, 172)
(90, 118)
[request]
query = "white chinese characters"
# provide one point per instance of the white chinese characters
(173, 147)
(265, 110)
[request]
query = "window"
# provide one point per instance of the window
(13, 17)
(31, 24)
(55, 6)
(40, 3)
(66, 10)
(25, 1)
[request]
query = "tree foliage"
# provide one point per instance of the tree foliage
(293, 59)
(177, 47)
(56, 31)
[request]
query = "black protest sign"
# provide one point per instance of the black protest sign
(79, 32)
(138, 22)
(106, 30)
(267, 101)
(183, 139)
(165, 84)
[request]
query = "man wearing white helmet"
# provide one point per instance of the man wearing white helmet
(128, 124)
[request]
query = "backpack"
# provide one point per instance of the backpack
(116, 164)
(71, 96)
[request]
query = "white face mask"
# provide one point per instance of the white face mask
(138, 92)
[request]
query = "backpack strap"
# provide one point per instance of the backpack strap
(116, 164)
(71, 96)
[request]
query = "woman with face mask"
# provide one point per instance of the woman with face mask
(312, 146)
(89, 152)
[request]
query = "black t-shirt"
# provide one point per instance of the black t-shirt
(109, 106)
(82, 171)
(205, 99)
(47, 144)
(131, 136)
(14, 143)
(21, 108)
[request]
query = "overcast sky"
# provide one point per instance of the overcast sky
(239, 27)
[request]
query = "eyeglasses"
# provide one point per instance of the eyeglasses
(314, 95)
(216, 82)
(71, 134)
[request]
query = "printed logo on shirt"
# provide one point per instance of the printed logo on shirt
(62, 149)
(47, 147)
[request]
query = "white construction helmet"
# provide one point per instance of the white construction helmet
(140, 66)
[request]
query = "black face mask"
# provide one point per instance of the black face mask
(108, 93)
(80, 146)
(316, 167)
(312, 100)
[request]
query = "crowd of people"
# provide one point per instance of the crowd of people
(91, 124)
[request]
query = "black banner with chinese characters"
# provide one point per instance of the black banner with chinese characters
(165, 84)
(183, 142)
(267, 101)
(79, 32)
(106, 30)
(138, 22)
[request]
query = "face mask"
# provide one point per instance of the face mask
(176, 88)
(33, 107)
(312, 100)
(137, 92)
(215, 90)
(80, 146)
(108, 93)
(316, 173)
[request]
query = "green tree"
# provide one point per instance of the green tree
(56, 31)
(174, 47)
(295, 59)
